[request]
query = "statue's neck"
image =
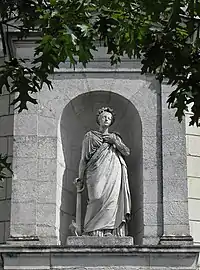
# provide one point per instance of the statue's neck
(103, 130)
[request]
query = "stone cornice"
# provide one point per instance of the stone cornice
(94, 249)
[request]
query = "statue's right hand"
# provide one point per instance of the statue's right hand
(109, 138)
(79, 183)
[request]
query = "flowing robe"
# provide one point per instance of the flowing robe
(105, 175)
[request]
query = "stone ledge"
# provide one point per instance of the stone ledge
(96, 258)
(50, 249)
(86, 241)
(185, 240)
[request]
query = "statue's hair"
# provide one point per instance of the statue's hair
(105, 109)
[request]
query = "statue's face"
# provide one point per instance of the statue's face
(105, 119)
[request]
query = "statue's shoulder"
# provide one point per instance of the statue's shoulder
(90, 133)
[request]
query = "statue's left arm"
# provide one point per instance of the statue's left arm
(121, 147)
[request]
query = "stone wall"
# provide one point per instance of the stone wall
(6, 141)
(38, 161)
(193, 173)
(6, 148)
(37, 150)
(174, 170)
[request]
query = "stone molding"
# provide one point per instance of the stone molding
(23, 240)
(176, 240)
(146, 257)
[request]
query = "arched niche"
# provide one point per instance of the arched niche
(78, 117)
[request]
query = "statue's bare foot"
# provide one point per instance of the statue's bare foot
(108, 234)
(74, 228)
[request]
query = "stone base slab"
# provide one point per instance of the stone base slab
(23, 240)
(86, 241)
(185, 240)
(98, 258)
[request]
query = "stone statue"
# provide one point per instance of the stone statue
(103, 170)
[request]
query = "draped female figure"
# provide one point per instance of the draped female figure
(103, 169)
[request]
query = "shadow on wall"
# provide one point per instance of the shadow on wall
(79, 116)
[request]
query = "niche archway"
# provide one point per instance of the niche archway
(78, 117)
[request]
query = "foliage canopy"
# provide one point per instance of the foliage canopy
(163, 33)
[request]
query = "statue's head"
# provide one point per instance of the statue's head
(105, 114)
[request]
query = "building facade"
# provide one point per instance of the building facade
(37, 203)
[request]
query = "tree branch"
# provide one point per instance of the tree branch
(14, 26)
(9, 20)
(3, 39)
(8, 45)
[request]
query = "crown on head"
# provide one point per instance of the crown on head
(105, 109)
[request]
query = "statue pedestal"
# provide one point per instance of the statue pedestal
(85, 241)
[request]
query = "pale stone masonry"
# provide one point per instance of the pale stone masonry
(6, 148)
(193, 174)
(193, 169)
(100, 258)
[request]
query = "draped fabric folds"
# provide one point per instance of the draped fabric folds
(107, 184)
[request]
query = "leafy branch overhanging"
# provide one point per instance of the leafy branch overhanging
(164, 33)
